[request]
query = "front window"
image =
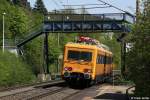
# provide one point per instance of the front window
(79, 55)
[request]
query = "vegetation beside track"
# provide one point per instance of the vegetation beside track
(19, 19)
(14, 71)
(138, 58)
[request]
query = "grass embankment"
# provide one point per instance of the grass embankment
(13, 71)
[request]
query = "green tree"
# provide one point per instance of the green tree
(18, 23)
(21, 3)
(13, 70)
(16, 2)
(33, 55)
(40, 7)
(138, 57)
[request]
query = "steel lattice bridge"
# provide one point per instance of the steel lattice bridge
(79, 23)
(82, 23)
(88, 23)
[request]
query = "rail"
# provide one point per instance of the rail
(38, 84)
(34, 91)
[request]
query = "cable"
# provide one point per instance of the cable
(113, 6)
(84, 5)
(86, 8)
(104, 3)
(56, 3)
(60, 3)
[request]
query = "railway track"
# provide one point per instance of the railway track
(33, 94)
(53, 90)
(66, 93)
(48, 93)
(44, 91)
(60, 94)
(30, 92)
(57, 92)
(37, 84)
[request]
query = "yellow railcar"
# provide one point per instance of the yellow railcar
(86, 63)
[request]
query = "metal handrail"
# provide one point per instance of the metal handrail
(81, 17)
(33, 33)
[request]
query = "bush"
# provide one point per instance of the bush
(13, 71)
(138, 58)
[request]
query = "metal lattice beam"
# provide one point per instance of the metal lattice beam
(64, 23)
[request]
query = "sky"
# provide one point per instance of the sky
(126, 5)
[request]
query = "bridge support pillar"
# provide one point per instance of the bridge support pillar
(123, 58)
(46, 58)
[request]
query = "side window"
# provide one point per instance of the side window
(106, 59)
(102, 59)
(98, 59)
(111, 60)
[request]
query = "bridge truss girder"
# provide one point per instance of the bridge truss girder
(79, 23)
(85, 27)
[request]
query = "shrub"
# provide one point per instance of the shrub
(13, 70)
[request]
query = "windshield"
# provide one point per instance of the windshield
(79, 55)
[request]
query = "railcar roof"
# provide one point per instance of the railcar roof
(86, 46)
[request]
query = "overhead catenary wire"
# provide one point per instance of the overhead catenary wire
(86, 8)
(112, 6)
(84, 5)
(56, 4)
(107, 5)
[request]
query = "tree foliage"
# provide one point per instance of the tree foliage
(18, 23)
(13, 70)
(21, 3)
(138, 58)
(33, 55)
(40, 7)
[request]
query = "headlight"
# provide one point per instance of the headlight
(68, 68)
